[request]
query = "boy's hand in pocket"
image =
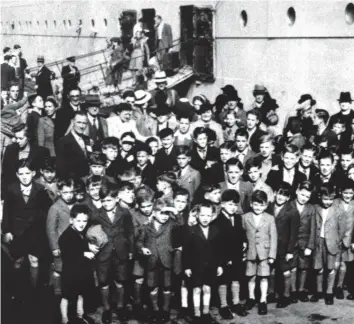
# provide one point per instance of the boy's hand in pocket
(89, 255)
(146, 251)
(188, 272)
(219, 271)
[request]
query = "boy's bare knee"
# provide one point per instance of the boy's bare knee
(33, 261)
(287, 273)
(139, 281)
(56, 274)
(154, 291)
(197, 290)
(264, 280)
(332, 272)
(206, 290)
(105, 287)
(343, 266)
(118, 284)
(293, 270)
(320, 271)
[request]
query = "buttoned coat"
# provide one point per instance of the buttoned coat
(164, 162)
(197, 163)
(287, 222)
(43, 82)
(275, 177)
(190, 180)
(45, 134)
(89, 131)
(160, 243)
(262, 239)
(120, 234)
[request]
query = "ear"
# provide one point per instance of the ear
(71, 221)
(33, 173)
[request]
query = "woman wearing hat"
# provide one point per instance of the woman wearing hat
(346, 111)
(145, 123)
(234, 103)
(44, 78)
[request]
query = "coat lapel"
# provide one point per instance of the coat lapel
(250, 220)
(118, 215)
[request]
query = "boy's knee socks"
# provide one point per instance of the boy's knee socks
(319, 281)
(330, 281)
(293, 274)
(166, 300)
(137, 292)
(184, 296)
(235, 289)
(56, 284)
(105, 297)
(34, 275)
(341, 275)
(222, 289)
(154, 299)
(287, 284)
(120, 295)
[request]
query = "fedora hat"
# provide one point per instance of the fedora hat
(91, 100)
(141, 97)
(228, 89)
(345, 97)
(233, 96)
(305, 102)
(160, 77)
(259, 89)
(40, 59)
(71, 59)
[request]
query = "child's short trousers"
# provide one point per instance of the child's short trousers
(233, 272)
(206, 277)
(159, 277)
(57, 264)
(323, 259)
(283, 265)
(257, 267)
(301, 261)
(346, 255)
(138, 269)
(112, 266)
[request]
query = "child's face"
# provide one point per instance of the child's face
(126, 147)
(303, 196)
(79, 222)
(206, 116)
(25, 175)
(184, 125)
(205, 216)
(142, 158)
(125, 115)
(230, 120)
(327, 201)
(97, 169)
(111, 153)
(351, 174)
(281, 199)
(146, 208)
(197, 104)
(183, 160)
(266, 149)
(241, 143)
(167, 141)
(233, 174)
(347, 195)
(109, 203)
(326, 167)
(345, 106)
(180, 202)
(202, 140)
(214, 196)
(252, 121)
(127, 196)
(67, 194)
(162, 216)
(289, 159)
(230, 207)
(258, 208)
(161, 185)
(93, 191)
(338, 128)
(345, 161)
(225, 154)
(154, 148)
(48, 175)
(254, 174)
(307, 157)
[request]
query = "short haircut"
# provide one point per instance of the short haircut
(230, 195)
(79, 113)
(228, 145)
(233, 161)
(309, 147)
(242, 132)
(253, 162)
(294, 125)
(183, 150)
(151, 139)
(346, 183)
(211, 135)
(200, 130)
(24, 163)
(93, 180)
(143, 147)
(306, 185)
(255, 112)
(129, 174)
(97, 158)
(205, 204)
(144, 194)
(108, 190)
(52, 100)
(65, 182)
(266, 138)
(80, 209)
(126, 134)
(162, 203)
(291, 148)
(346, 151)
(32, 98)
(165, 132)
(326, 190)
(210, 187)
(125, 185)
(284, 188)
(185, 116)
(124, 106)
(110, 142)
(259, 196)
(322, 114)
(180, 191)
(74, 89)
(79, 185)
(325, 154)
(49, 165)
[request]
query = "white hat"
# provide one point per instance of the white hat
(142, 97)
(160, 77)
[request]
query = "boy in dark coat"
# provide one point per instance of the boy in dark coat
(77, 274)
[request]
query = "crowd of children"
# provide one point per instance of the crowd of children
(206, 201)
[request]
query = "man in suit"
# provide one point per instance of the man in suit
(166, 159)
(97, 128)
(254, 133)
(66, 113)
(346, 111)
(72, 149)
(162, 94)
(21, 67)
(243, 149)
(163, 40)
(8, 74)
(71, 76)
(43, 79)
(305, 165)
(320, 119)
(187, 177)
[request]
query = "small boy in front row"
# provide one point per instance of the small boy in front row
(261, 233)
(202, 259)
(155, 243)
(77, 274)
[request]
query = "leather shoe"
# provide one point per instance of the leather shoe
(123, 314)
(239, 310)
(225, 313)
(329, 299)
(250, 303)
(316, 297)
(262, 309)
(339, 293)
(283, 302)
(303, 296)
(165, 316)
(207, 319)
(107, 317)
(294, 297)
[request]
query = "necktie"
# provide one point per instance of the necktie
(202, 153)
(207, 125)
(26, 193)
(179, 174)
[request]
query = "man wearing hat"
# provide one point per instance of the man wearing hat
(165, 118)
(161, 86)
(43, 79)
(145, 123)
(346, 112)
(163, 40)
(21, 66)
(97, 128)
(71, 76)
(8, 74)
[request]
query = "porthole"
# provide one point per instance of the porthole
(64, 23)
(46, 23)
(349, 13)
(243, 19)
(37, 22)
(291, 16)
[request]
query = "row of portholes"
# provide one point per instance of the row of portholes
(291, 16)
(65, 23)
